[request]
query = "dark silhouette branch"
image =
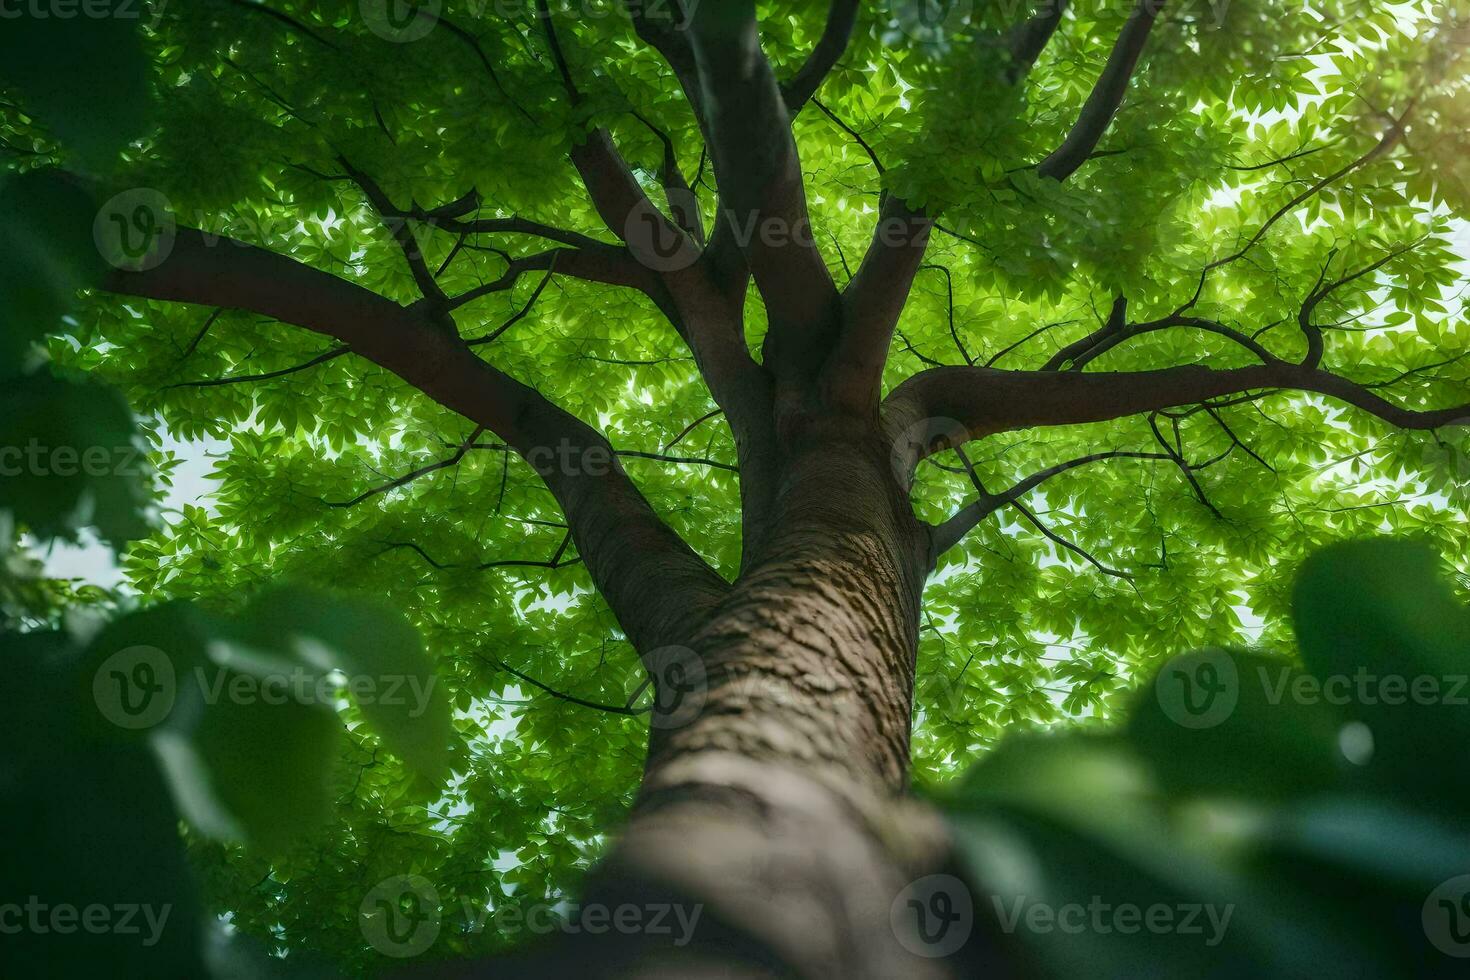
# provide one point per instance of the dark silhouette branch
(1027, 40)
(690, 428)
(1106, 96)
(401, 231)
(613, 709)
(412, 475)
(762, 189)
(841, 19)
(650, 578)
(946, 535)
(322, 358)
(982, 401)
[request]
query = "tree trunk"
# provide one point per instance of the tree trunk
(774, 792)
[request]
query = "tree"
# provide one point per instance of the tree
(740, 383)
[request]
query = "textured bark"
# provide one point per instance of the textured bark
(785, 791)
(779, 805)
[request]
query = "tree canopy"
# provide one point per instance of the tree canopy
(1277, 194)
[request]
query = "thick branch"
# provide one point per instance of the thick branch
(761, 185)
(873, 302)
(981, 401)
(648, 575)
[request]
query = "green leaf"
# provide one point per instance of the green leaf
(70, 457)
(1379, 625)
(84, 75)
(1254, 740)
(46, 237)
(388, 675)
(252, 768)
(93, 833)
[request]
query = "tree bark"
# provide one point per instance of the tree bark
(775, 792)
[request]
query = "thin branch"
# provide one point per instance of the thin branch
(841, 18)
(946, 535)
(322, 358)
(520, 314)
(1176, 456)
(1069, 545)
(412, 475)
(691, 460)
(554, 562)
(691, 427)
(1387, 142)
(949, 306)
(400, 229)
(199, 337)
(1113, 326)
(613, 709)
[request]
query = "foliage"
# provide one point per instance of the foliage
(114, 732)
(1307, 811)
(249, 114)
